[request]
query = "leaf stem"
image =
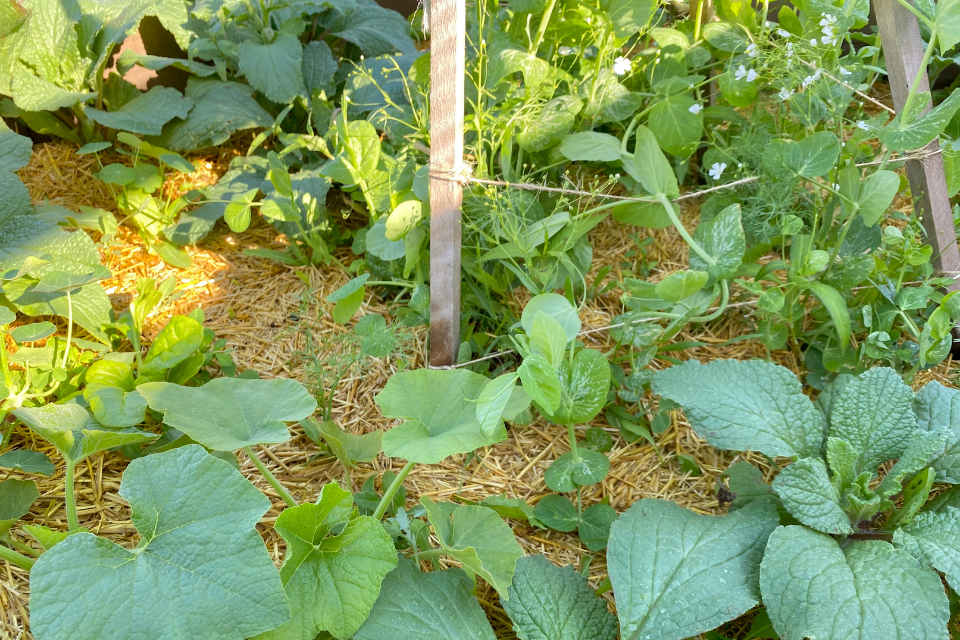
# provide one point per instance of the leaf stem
(16, 559)
(921, 71)
(572, 436)
(73, 523)
(922, 18)
(269, 477)
(542, 29)
(391, 491)
(682, 230)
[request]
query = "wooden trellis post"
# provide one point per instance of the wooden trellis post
(447, 44)
(903, 52)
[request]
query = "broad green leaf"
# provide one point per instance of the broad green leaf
(874, 413)
(319, 67)
(680, 285)
(649, 166)
(741, 406)
(677, 129)
(354, 285)
(347, 447)
(179, 339)
(15, 150)
(32, 93)
(421, 606)
(723, 239)
(492, 402)
(331, 581)
(16, 497)
(810, 497)
(583, 388)
(934, 539)
(726, 36)
(569, 471)
(402, 219)
(439, 407)
(747, 484)
(27, 461)
(595, 523)
(921, 447)
(382, 247)
(948, 24)
(590, 146)
(114, 407)
(836, 307)
(74, 432)
(146, 114)
(555, 306)
(273, 69)
(358, 156)
(118, 174)
(200, 552)
(548, 338)
(629, 16)
(130, 58)
(920, 131)
(812, 157)
(814, 589)
(540, 381)
(876, 195)
(676, 573)
(374, 29)
(557, 512)
(550, 603)
(479, 539)
(47, 537)
(231, 413)
(512, 508)
(547, 127)
(644, 214)
(938, 409)
(33, 332)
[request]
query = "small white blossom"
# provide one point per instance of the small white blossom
(567, 51)
(740, 73)
(622, 65)
(751, 75)
(695, 108)
(813, 42)
(752, 50)
(828, 20)
(717, 170)
(830, 39)
(789, 51)
(739, 165)
(811, 78)
(844, 72)
(785, 94)
(863, 125)
(836, 185)
(783, 33)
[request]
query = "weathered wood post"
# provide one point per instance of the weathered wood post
(447, 44)
(903, 51)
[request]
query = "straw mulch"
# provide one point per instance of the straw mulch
(253, 303)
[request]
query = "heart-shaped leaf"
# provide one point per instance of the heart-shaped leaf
(555, 306)
(583, 385)
(570, 471)
(27, 461)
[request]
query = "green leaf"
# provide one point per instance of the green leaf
(938, 409)
(836, 307)
(747, 485)
(557, 512)
(231, 413)
(644, 214)
(569, 471)
(682, 284)
(319, 67)
(440, 411)
(118, 174)
(74, 432)
(402, 219)
(595, 523)
(726, 36)
(374, 29)
(676, 573)
(16, 498)
(548, 338)
(273, 69)
(590, 146)
(813, 588)
(584, 386)
(512, 508)
(331, 581)
(874, 413)
(220, 109)
(492, 402)
(723, 239)
(31, 93)
(200, 550)
(479, 539)
(130, 58)
(33, 332)
(649, 166)
(146, 114)
(876, 195)
(550, 603)
(540, 381)
(419, 606)
(934, 539)
(629, 16)
(555, 306)
(179, 339)
(923, 130)
(382, 247)
(741, 406)
(677, 129)
(27, 461)
(15, 150)
(812, 157)
(47, 537)
(948, 24)
(347, 447)
(810, 497)
(114, 407)
(545, 128)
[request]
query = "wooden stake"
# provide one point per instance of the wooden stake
(447, 44)
(903, 51)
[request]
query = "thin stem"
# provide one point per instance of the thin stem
(66, 350)
(542, 29)
(73, 523)
(270, 478)
(16, 559)
(391, 491)
(682, 230)
(921, 71)
(698, 19)
(922, 18)
(572, 436)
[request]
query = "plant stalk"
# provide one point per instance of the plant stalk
(270, 478)
(682, 230)
(73, 523)
(16, 559)
(391, 491)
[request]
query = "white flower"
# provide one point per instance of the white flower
(752, 75)
(811, 78)
(785, 94)
(622, 65)
(567, 51)
(836, 185)
(828, 40)
(717, 170)
(844, 72)
(740, 73)
(863, 125)
(695, 108)
(789, 50)
(828, 20)
(752, 50)
(813, 42)
(783, 33)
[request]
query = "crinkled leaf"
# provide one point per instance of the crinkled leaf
(810, 497)
(231, 413)
(934, 539)
(938, 408)
(74, 432)
(420, 606)
(747, 484)
(331, 581)
(742, 406)
(676, 573)
(273, 69)
(319, 67)
(147, 113)
(27, 461)
(545, 128)
(200, 552)
(15, 150)
(874, 413)
(375, 30)
(814, 589)
(479, 539)
(552, 603)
